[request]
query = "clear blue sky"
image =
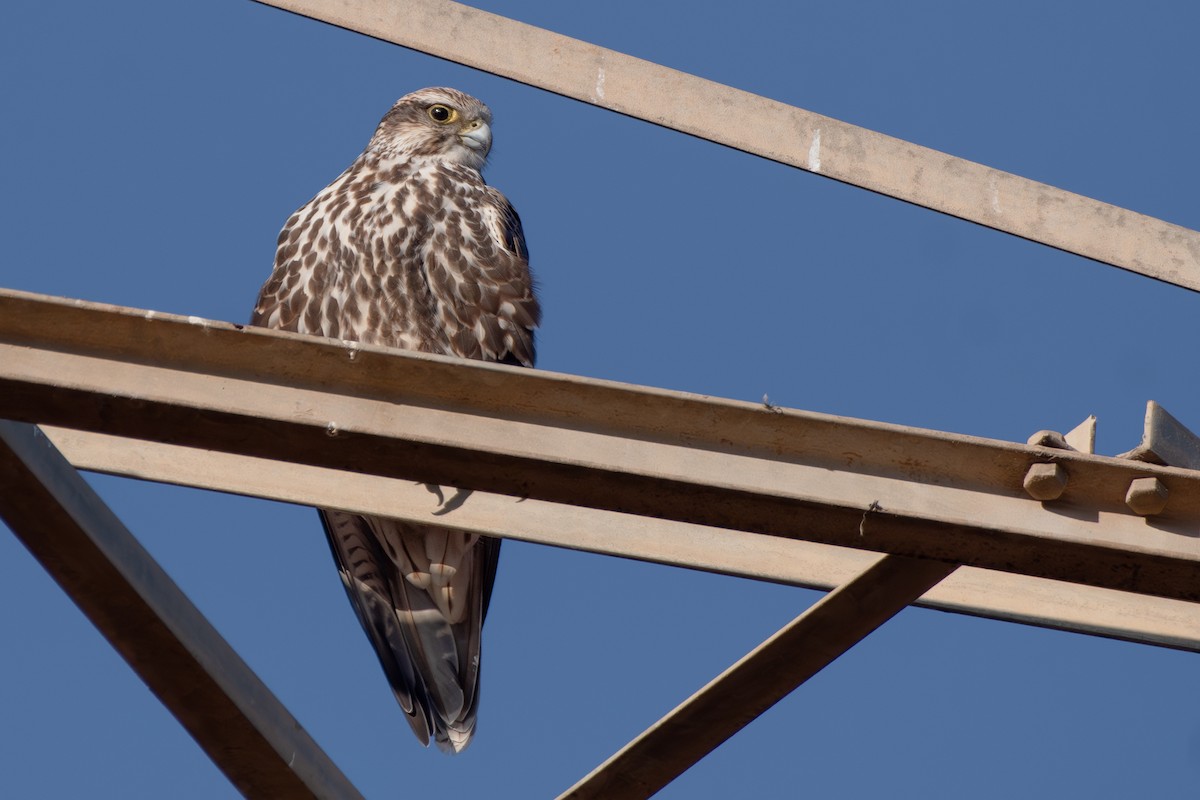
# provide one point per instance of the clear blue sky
(151, 151)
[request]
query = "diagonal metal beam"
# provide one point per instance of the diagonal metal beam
(773, 130)
(759, 680)
(230, 713)
(985, 593)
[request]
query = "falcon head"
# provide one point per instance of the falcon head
(441, 123)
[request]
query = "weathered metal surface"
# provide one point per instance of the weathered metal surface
(1014, 598)
(1083, 436)
(773, 130)
(565, 439)
(1166, 440)
(244, 729)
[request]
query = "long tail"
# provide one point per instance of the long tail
(421, 594)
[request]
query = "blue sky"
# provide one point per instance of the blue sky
(151, 152)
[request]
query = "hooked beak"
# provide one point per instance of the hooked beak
(478, 137)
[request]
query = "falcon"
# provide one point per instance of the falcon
(410, 248)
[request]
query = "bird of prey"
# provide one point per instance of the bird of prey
(410, 248)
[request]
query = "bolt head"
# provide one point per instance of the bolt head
(1146, 496)
(1045, 481)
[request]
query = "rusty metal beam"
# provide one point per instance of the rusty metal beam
(759, 680)
(230, 713)
(577, 441)
(773, 130)
(984, 593)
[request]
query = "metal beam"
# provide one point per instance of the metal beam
(984, 593)
(230, 713)
(1166, 440)
(565, 439)
(773, 130)
(760, 679)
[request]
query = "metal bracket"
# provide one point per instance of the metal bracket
(1165, 441)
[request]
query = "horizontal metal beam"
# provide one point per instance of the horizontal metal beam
(243, 728)
(760, 679)
(1014, 598)
(565, 439)
(773, 130)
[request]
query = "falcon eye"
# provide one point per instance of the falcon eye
(442, 114)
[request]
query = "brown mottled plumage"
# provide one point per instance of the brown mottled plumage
(410, 248)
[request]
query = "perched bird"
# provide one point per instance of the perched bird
(410, 248)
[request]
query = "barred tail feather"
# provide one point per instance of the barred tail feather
(431, 661)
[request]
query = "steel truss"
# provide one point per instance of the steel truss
(1044, 533)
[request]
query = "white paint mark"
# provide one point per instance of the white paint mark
(201, 321)
(814, 152)
(332, 430)
(995, 192)
(600, 83)
(150, 314)
(351, 348)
